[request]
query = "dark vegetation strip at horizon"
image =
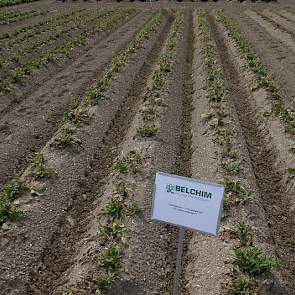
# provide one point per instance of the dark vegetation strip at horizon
(248, 260)
(80, 22)
(56, 54)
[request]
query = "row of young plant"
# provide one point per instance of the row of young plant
(150, 112)
(10, 17)
(4, 3)
(53, 25)
(95, 93)
(81, 22)
(114, 212)
(120, 205)
(133, 162)
(248, 260)
(55, 54)
(263, 77)
(14, 188)
(37, 28)
(66, 136)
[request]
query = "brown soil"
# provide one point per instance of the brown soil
(269, 176)
(42, 121)
(100, 164)
(56, 247)
(275, 54)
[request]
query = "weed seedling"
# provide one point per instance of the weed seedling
(105, 282)
(110, 258)
(122, 189)
(291, 171)
(232, 167)
(120, 166)
(148, 113)
(7, 195)
(134, 209)
(241, 231)
(135, 160)
(148, 131)
(41, 170)
(12, 188)
(235, 187)
(38, 190)
(8, 212)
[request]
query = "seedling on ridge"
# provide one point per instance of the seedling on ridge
(66, 138)
(120, 166)
(134, 208)
(113, 209)
(41, 170)
(111, 258)
(252, 261)
(148, 131)
(241, 231)
(242, 286)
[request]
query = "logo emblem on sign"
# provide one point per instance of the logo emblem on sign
(170, 188)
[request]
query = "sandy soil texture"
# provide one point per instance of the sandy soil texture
(110, 93)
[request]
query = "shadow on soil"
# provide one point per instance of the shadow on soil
(126, 288)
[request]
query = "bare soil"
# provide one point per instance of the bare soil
(56, 247)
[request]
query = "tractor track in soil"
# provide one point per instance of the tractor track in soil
(286, 15)
(269, 177)
(183, 162)
(278, 22)
(30, 124)
(56, 259)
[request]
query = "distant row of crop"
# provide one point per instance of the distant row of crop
(10, 17)
(13, 2)
(80, 22)
(55, 54)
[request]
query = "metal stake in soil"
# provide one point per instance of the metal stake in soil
(178, 262)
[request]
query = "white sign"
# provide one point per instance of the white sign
(189, 203)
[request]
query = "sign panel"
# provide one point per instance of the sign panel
(188, 203)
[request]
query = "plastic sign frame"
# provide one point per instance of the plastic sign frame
(188, 203)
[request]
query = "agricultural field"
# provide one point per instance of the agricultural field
(97, 96)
